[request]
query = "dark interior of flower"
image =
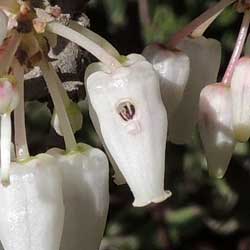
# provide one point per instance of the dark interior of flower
(126, 110)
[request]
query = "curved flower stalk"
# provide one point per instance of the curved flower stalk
(199, 25)
(240, 88)
(32, 211)
(21, 146)
(8, 102)
(125, 105)
(73, 111)
(85, 42)
(52, 79)
(95, 38)
(215, 126)
(205, 58)
(86, 196)
(173, 67)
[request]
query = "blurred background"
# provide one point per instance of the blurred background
(203, 213)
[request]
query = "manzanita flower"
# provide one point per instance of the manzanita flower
(215, 126)
(86, 196)
(32, 211)
(173, 67)
(240, 88)
(126, 107)
(205, 58)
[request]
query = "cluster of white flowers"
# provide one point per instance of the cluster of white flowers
(60, 199)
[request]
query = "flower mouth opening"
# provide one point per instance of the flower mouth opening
(126, 110)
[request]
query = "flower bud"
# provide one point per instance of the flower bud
(75, 118)
(173, 68)
(205, 58)
(32, 210)
(9, 97)
(86, 196)
(215, 126)
(126, 107)
(3, 26)
(240, 89)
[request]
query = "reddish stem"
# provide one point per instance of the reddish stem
(237, 49)
(144, 13)
(205, 16)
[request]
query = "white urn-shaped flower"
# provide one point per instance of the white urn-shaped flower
(32, 210)
(127, 110)
(173, 67)
(205, 58)
(86, 196)
(215, 126)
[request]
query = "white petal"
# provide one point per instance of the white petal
(173, 67)
(32, 211)
(205, 58)
(86, 198)
(240, 88)
(216, 130)
(118, 177)
(127, 107)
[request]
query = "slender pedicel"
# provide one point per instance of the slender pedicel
(8, 102)
(199, 31)
(204, 17)
(73, 111)
(144, 13)
(22, 151)
(84, 42)
(95, 38)
(52, 81)
(5, 147)
(238, 48)
(63, 92)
